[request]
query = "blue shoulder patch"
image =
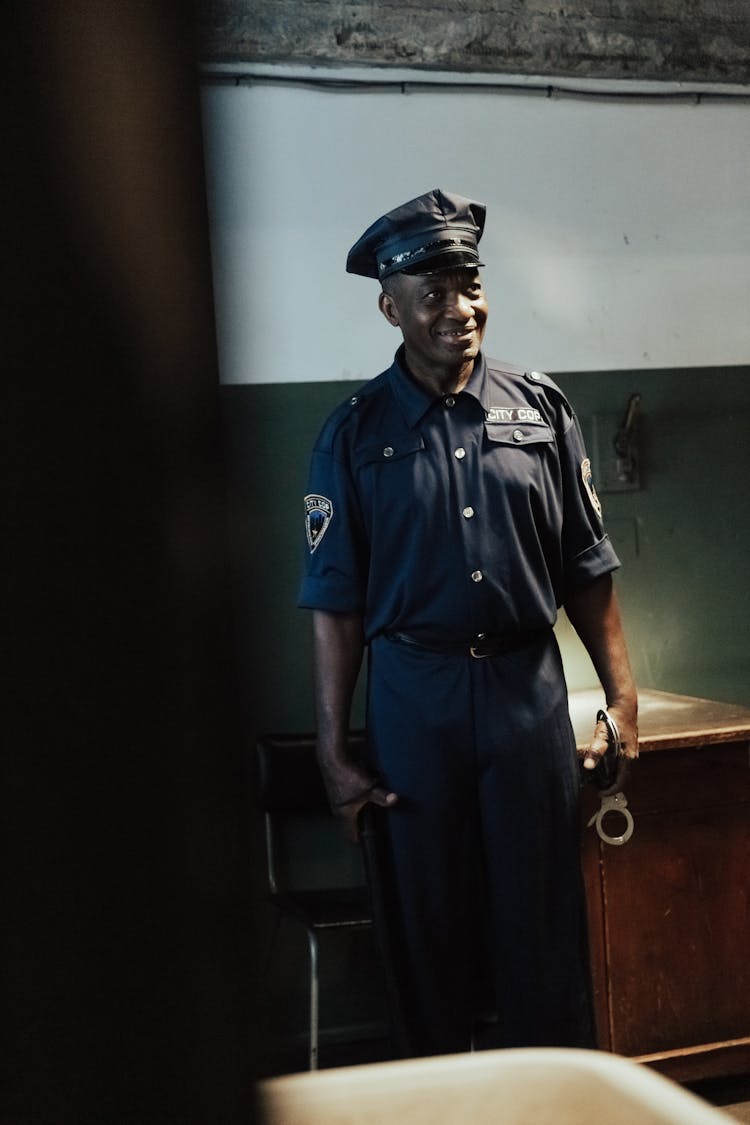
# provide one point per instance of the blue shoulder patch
(318, 516)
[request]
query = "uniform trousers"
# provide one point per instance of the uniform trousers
(480, 858)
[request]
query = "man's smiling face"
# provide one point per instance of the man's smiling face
(442, 317)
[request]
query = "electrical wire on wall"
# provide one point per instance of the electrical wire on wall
(621, 90)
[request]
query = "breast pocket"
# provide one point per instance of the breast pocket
(388, 474)
(523, 457)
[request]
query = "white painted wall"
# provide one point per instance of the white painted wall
(618, 232)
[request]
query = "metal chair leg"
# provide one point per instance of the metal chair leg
(313, 944)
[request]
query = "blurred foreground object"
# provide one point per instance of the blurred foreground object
(564, 1086)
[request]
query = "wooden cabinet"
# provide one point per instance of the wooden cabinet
(669, 911)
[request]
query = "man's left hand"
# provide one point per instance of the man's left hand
(626, 718)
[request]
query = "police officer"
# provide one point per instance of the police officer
(450, 513)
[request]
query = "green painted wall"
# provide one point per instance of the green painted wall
(684, 539)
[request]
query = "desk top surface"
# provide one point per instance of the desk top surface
(667, 721)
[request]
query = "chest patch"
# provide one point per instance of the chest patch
(318, 515)
(515, 414)
(588, 481)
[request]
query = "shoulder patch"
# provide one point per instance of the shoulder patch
(318, 516)
(588, 481)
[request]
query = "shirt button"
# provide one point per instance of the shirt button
(481, 636)
(353, 400)
(450, 401)
(460, 453)
(468, 512)
(518, 435)
(388, 451)
(535, 374)
(476, 576)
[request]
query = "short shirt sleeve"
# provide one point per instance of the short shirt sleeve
(587, 550)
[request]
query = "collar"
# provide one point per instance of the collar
(415, 400)
(478, 384)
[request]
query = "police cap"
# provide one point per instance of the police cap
(438, 230)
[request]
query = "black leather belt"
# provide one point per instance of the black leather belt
(479, 648)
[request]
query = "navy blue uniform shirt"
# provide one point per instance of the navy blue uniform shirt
(451, 516)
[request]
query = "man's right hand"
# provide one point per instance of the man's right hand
(338, 641)
(350, 788)
(349, 813)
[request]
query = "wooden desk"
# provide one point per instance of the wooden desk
(669, 911)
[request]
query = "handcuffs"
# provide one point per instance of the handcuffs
(603, 776)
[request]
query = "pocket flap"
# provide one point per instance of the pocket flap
(520, 432)
(386, 452)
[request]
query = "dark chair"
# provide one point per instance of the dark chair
(290, 790)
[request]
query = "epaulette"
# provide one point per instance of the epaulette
(506, 368)
(535, 378)
(540, 379)
(549, 388)
(371, 387)
(341, 414)
(546, 387)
